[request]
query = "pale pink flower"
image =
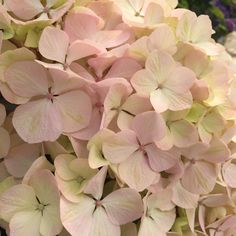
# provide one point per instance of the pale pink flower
(167, 84)
(72, 175)
(62, 50)
(32, 209)
(197, 31)
(54, 106)
(159, 215)
(135, 151)
(201, 169)
(117, 208)
(29, 9)
(90, 28)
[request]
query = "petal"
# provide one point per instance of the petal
(122, 210)
(47, 196)
(26, 223)
(183, 198)
(153, 130)
(176, 101)
(96, 183)
(228, 171)
(159, 100)
(4, 146)
(133, 105)
(199, 178)
(76, 216)
(110, 39)
(149, 227)
(217, 152)
(63, 82)
(202, 29)
(80, 49)
(180, 80)
(184, 133)
(160, 64)
(124, 68)
(27, 78)
(120, 147)
(162, 39)
(136, 172)
(184, 26)
(160, 160)
(62, 165)
(16, 199)
(144, 82)
(163, 219)
(51, 222)
(102, 224)
(87, 24)
(40, 163)
(76, 110)
(154, 14)
(37, 121)
(52, 48)
(20, 158)
(27, 10)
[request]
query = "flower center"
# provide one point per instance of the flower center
(98, 203)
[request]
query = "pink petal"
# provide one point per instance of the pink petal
(20, 158)
(27, 10)
(87, 24)
(144, 82)
(75, 108)
(174, 101)
(154, 128)
(102, 224)
(43, 121)
(40, 163)
(149, 227)
(160, 160)
(183, 198)
(26, 223)
(184, 133)
(217, 152)
(77, 215)
(228, 171)
(49, 195)
(63, 82)
(120, 147)
(4, 146)
(110, 39)
(96, 183)
(160, 64)
(202, 29)
(163, 39)
(133, 105)
(18, 198)
(154, 14)
(124, 68)
(27, 78)
(136, 172)
(200, 177)
(180, 80)
(80, 49)
(122, 210)
(52, 48)
(62, 165)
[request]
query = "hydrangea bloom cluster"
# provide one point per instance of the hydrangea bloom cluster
(125, 120)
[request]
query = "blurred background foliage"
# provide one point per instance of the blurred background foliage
(221, 12)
